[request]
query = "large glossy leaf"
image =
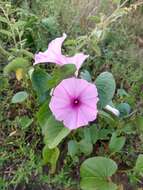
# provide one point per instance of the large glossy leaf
(106, 86)
(54, 132)
(95, 174)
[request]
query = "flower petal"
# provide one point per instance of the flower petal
(92, 93)
(89, 113)
(74, 86)
(77, 59)
(70, 119)
(53, 53)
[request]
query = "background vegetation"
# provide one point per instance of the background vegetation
(26, 27)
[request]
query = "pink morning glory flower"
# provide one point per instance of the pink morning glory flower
(74, 102)
(54, 55)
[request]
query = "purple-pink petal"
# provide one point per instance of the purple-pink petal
(78, 59)
(54, 55)
(74, 102)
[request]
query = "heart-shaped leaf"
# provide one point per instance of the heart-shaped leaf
(96, 172)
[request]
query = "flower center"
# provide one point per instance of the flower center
(76, 102)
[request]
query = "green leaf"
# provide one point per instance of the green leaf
(19, 97)
(85, 147)
(86, 75)
(50, 156)
(124, 109)
(104, 133)
(3, 83)
(3, 19)
(40, 80)
(106, 86)
(121, 92)
(94, 133)
(117, 1)
(87, 134)
(72, 148)
(61, 73)
(99, 134)
(6, 33)
(24, 122)
(15, 64)
(43, 115)
(116, 143)
(95, 173)
(104, 114)
(19, 24)
(54, 132)
(139, 123)
(139, 165)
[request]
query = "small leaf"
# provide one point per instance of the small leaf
(116, 143)
(86, 75)
(3, 19)
(103, 134)
(24, 122)
(117, 1)
(121, 92)
(94, 134)
(51, 156)
(17, 63)
(106, 86)
(55, 132)
(85, 147)
(139, 165)
(3, 83)
(72, 148)
(6, 33)
(139, 123)
(19, 97)
(87, 134)
(124, 109)
(95, 172)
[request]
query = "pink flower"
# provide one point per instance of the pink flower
(54, 55)
(74, 102)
